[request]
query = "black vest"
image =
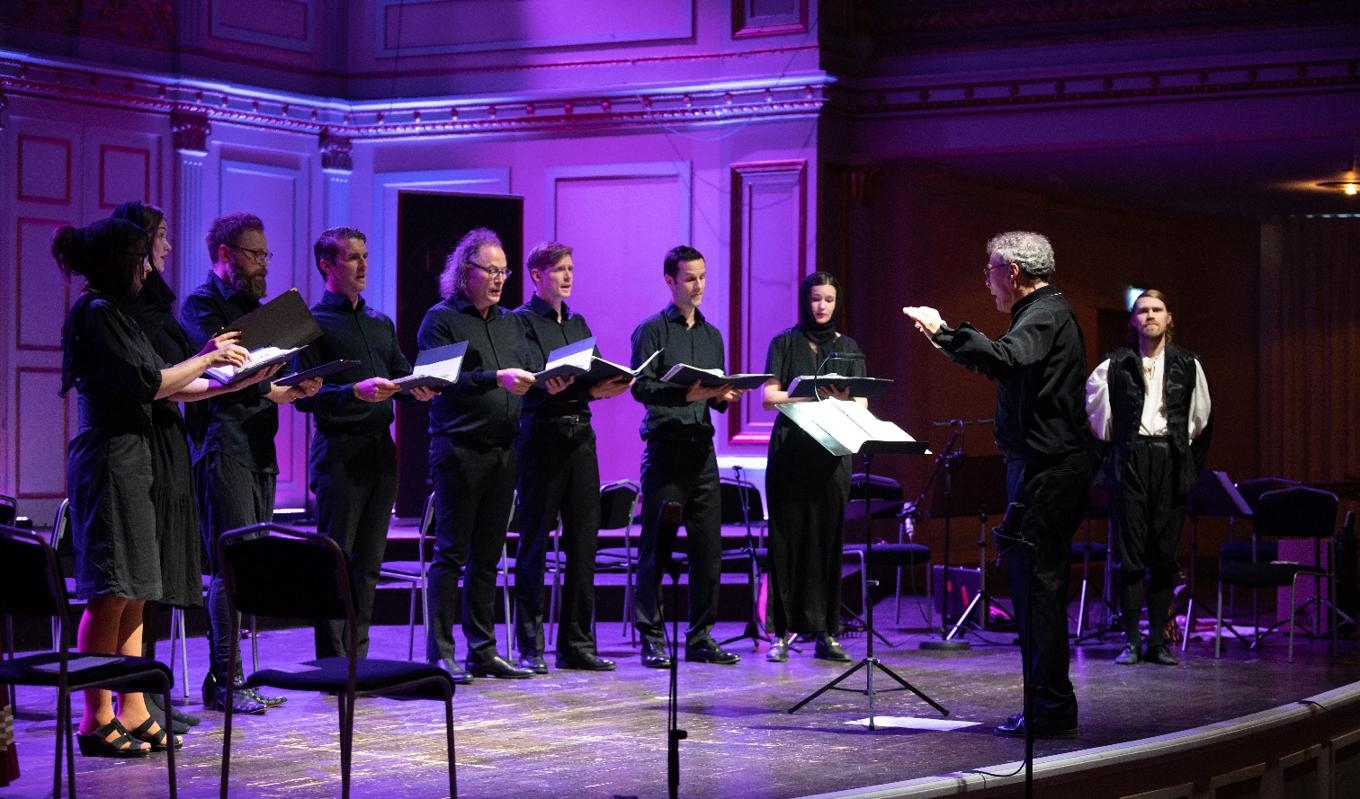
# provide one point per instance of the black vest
(1126, 390)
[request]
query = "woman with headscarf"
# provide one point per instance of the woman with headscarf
(807, 487)
(173, 491)
(117, 376)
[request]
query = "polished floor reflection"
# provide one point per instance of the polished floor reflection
(576, 734)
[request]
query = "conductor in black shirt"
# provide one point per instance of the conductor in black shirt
(472, 461)
(1039, 365)
(353, 462)
(558, 472)
(678, 463)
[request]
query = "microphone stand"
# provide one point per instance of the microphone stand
(945, 465)
(671, 515)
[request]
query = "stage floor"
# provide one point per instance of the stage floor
(575, 734)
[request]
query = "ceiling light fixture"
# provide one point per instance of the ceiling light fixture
(1350, 181)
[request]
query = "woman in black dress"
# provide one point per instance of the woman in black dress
(173, 493)
(109, 474)
(806, 486)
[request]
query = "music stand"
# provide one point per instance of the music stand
(745, 491)
(1214, 495)
(840, 432)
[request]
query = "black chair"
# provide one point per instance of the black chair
(740, 505)
(886, 501)
(32, 584)
(9, 509)
(1088, 550)
(272, 570)
(1293, 512)
(413, 574)
(619, 507)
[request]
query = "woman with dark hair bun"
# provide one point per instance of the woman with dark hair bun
(109, 475)
(806, 486)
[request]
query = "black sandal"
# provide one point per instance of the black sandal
(158, 738)
(98, 744)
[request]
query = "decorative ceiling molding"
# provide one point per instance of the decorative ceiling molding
(1100, 88)
(747, 101)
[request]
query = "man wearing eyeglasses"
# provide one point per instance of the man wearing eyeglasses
(1039, 365)
(472, 458)
(233, 437)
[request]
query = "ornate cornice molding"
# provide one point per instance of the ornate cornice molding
(1098, 88)
(353, 121)
(952, 16)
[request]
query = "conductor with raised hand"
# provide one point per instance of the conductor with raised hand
(1039, 365)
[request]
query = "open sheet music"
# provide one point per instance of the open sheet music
(685, 375)
(272, 332)
(601, 370)
(259, 359)
(569, 361)
(437, 368)
(843, 426)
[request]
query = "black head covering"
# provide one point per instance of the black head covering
(820, 334)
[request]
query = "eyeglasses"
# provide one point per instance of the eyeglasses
(989, 268)
(494, 273)
(258, 256)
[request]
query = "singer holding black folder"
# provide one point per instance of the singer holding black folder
(806, 486)
(1039, 365)
(353, 461)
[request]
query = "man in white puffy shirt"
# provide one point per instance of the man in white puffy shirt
(1150, 401)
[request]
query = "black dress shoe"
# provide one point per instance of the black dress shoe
(654, 655)
(534, 663)
(498, 667)
(241, 701)
(1129, 657)
(1161, 656)
(779, 651)
(585, 662)
(460, 677)
(179, 718)
(267, 701)
(1014, 727)
(828, 648)
(709, 652)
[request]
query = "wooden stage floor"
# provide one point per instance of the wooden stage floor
(575, 734)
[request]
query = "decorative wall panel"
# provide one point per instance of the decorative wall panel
(619, 279)
(276, 23)
(124, 174)
(41, 468)
(44, 169)
(469, 26)
(42, 292)
(768, 17)
(769, 258)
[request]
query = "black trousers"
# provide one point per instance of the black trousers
(1148, 517)
(474, 489)
(558, 474)
(354, 477)
(1054, 491)
(684, 472)
(230, 495)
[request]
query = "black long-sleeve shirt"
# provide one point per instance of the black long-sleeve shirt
(1040, 368)
(476, 410)
(668, 414)
(357, 333)
(240, 424)
(544, 334)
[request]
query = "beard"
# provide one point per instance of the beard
(246, 284)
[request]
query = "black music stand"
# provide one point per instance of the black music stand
(822, 421)
(971, 485)
(1214, 495)
(755, 628)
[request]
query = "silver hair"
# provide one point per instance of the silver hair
(454, 279)
(1032, 252)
